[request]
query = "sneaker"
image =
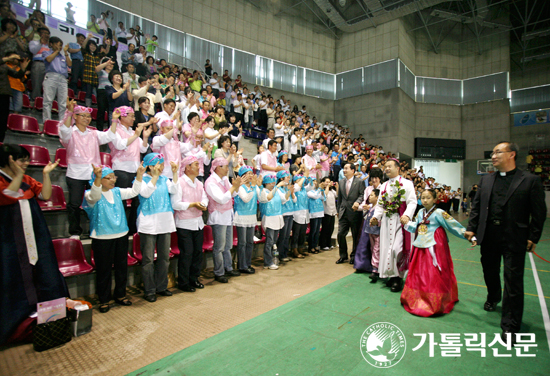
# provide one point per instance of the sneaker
(331, 246)
(272, 267)
(326, 248)
(256, 239)
(286, 259)
(75, 237)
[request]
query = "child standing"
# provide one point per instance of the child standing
(329, 218)
(316, 197)
(374, 235)
(431, 287)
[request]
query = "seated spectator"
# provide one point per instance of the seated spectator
(196, 81)
(55, 80)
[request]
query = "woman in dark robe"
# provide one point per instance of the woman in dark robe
(28, 266)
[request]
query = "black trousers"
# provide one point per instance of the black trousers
(344, 225)
(77, 71)
(190, 258)
(109, 253)
(263, 119)
(4, 113)
(456, 202)
(298, 234)
(493, 250)
(76, 194)
(335, 173)
(327, 228)
(102, 108)
(126, 180)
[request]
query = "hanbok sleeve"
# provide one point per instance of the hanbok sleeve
(449, 223)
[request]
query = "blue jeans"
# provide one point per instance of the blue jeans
(54, 86)
(314, 227)
(284, 237)
(245, 247)
(16, 102)
(223, 241)
(270, 239)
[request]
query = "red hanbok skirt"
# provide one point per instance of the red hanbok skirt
(429, 291)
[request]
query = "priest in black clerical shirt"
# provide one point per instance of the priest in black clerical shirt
(507, 217)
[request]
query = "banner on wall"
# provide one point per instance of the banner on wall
(63, 30)
(532, 117)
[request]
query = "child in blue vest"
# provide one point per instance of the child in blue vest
(288, 213)
(105, 205)
(316, 196)
(155, 225)
(271, 208)
(301, 217)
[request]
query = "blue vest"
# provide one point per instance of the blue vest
(246, 208)
(288, 207)
(301, 200)
(107, 218)
(316, 204)
(273, 207)
(159, 201)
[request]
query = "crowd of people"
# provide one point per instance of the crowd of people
(174, 140)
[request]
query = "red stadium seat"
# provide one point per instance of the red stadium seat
(70, 257)
(94, 99)
(131, 261)
(235, 237)
(81, 96)
(208, 239)
(174, 249)
(39, 155)
(262, 240)
(94, 113)
(106, 159)
(70, 93)
(56, 202)
(61, 154)
(51, 128)
(23, 124)
(26, 102)
(55, 107)
(29, 85)
(38, 103)
(79, 84)
(136, 248)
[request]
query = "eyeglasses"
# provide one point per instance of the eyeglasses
(499, 152)
(111, 178)
(84, 116)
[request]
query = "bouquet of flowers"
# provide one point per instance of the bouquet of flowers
(391, 204)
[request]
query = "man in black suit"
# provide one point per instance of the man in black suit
(505, 202)
(350, 196)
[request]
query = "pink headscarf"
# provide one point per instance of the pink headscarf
(77, 110)
(188, 160)
(309, 147)
(124, 110)
(220, 161)
(170, 123)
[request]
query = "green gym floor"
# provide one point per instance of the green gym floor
(319, 333)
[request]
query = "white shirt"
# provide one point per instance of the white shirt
(94, 195)
(122, 144)
(264, 158)
(178, 203)
(210, 132)
(330, 203)
(159, 223)
(246, 220)
(274, 222)
(76, 170)
(214, 83)
(238, 109)
(300, 216)
(216, 217)
(279, 130)
(293, 144)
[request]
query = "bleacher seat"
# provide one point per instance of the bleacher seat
(235, 237)
(81, 96)
(174, 249)
(38, 103)
(26, 102)
(70, 257)
(261, 231)
(94, 99)
(131, 261)
(91, 128)
(56, 202)
(70, 93)
(51, 128)
(61, 154)
(23, 124)
(106, 159)
(208, 239)
(29, 85)
(39, 155)
(55, 107)
(94, 113)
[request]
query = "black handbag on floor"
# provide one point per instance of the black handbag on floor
(51, 334)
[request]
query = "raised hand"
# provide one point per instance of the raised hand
(71, 103)
(116, 114)
(97, 170)
(50, 167)
(175, 167)
(155, 171)
(237, 182)
(147, 132)
(140, 171)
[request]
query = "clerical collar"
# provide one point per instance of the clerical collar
(509, 173)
